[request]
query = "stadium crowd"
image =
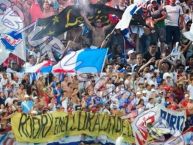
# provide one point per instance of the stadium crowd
(165, 24)
(122, 94)
(137, 76)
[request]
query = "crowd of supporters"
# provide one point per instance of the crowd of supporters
(165, 24)
(141, 70)
(122, 94)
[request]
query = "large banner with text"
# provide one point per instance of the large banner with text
(55, 125)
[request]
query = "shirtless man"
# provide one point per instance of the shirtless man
(47, 10)
(98, 30)
(40, 86)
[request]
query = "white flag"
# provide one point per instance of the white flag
(10, 40)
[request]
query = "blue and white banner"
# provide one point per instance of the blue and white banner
(156, 122)
(126, 17)
(11, 38)
(129, 12)
(82, 61)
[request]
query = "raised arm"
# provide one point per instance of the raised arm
(166, 59)
(164, 15)
(152, 60)
(185, 47)
(107, 27)
(86, 21)
(181, 18)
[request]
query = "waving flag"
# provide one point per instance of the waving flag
(175, 54)
(11, 40)
(45, 66)
(130, 13)
(113, 19)
(70, 18)
(126, 17)
(82, 61)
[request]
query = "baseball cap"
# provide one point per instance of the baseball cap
(144, 91)
(177, 2)
(138, 93)
(26, 96)
(166, 75)
(130, 52)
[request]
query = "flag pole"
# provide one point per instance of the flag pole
(68, 43)
(27, 27)
(107, 38)
(104, 60)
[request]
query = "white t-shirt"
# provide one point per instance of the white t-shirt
(148, 94)
(65, 104)
(149, 106)
(4, 81)
(9, 101)
(190, 90)
(173, 14)
(145, 99)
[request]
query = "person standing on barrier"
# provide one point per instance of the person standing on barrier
(174, 23)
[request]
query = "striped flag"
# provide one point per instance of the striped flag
(11, 40)
(44, 67)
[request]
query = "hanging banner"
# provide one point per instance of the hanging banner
(53, 126)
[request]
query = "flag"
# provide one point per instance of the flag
(130, 15)
(175, 54)
(127, 17)
(39, 67)
(70, 17)
(126, 35)
(82, 61)
(113, 19)
(11, 40)
(188, 135)
(155, 123)
(183, 139)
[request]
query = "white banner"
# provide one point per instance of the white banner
(154, 123)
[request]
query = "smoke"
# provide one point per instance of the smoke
(83, 5)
